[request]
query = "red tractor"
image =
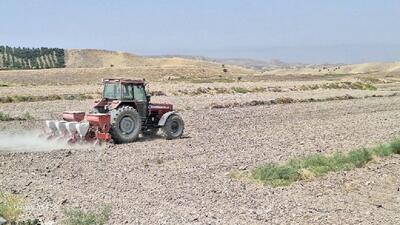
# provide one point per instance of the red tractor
(121, 115)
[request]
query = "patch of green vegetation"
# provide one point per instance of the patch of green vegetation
(316, 165)
(339, 85)
(23, 98)
(11, 206)
(362, 86)
(79, 217)
(335, 76)
(6, 117)
(26, 116)
(241, 90)
(372, 80)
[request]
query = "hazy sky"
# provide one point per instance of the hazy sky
(313, 31)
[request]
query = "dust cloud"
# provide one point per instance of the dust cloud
(30, 141)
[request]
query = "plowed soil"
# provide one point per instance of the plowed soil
(187, 181)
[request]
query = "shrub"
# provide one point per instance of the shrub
(10, 206)
(241, 90)
(26, 116)
(5, 117)
(395, 146)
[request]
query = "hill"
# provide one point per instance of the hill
(88, 65)
(256, 64)
(94, 58)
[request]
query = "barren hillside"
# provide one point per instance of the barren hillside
(93, 58)
(364, 68)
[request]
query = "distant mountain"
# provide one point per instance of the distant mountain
(255, 64)
(323, 69)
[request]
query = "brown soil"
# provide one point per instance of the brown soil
(187, 181)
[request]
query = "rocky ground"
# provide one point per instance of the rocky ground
(187, 181)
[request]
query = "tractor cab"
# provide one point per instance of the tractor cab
(118, 92)
(124, 90)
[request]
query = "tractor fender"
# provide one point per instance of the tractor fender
(165, 117)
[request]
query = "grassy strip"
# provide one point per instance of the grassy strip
(339, 85)
(203, 80)
(19, 98)
(317, 165)
(6, 117)
(244, 90)
(288, 100)
(220, 90)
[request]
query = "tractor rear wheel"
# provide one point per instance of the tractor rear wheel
(126, 125)
(174, 127)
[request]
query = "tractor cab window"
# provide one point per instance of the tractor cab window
(127, 92)
(112, 91)
(139, 93)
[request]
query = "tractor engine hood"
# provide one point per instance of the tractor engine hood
(160, 107)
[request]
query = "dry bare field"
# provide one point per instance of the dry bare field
(231, 125)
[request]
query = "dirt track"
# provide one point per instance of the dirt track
(187, 181)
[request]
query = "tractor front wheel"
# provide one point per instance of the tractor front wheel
(126, 125)
(173, 127)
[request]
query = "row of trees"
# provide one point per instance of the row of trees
(31, 58)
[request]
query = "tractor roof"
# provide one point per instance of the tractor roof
(124, 81)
